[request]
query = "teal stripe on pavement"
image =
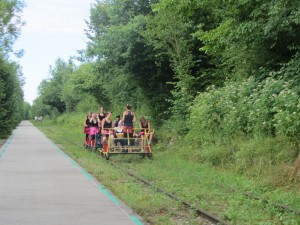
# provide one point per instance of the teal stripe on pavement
(109, 195)
(136, 220)
(7, 144)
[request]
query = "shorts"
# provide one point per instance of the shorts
(105, 133)
(86, 130)
(128, 128)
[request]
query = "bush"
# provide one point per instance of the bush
(287, 111)
(248, 107)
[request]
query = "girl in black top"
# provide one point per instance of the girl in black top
(106, 128)
(128, 119)
(87, 129)
(94, 124)
(144, 125)
(145, 130)
(101, 116)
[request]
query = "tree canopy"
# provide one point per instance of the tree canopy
(11, 79)
(169, 57)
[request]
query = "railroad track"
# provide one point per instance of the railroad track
(202, 213)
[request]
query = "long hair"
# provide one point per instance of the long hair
(88, 114)
(128, 106)
(143, 120)
(94, 118)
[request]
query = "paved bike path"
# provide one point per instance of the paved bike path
(40, 185)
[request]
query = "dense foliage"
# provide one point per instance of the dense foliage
(206, 69)
(249, 108)
(11, 80)
(256, 45)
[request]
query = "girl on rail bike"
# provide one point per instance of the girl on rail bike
(86, 130)
(144, 126)
(128, 119)
(101, 114)
(94, 124)
(107, 130)
(145, 130)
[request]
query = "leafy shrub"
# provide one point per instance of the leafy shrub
(246, 107)
(287, 111)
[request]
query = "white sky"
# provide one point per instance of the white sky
(54, 28)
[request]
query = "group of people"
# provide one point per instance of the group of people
(120, 128)
(38, 118)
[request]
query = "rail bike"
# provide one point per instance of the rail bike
(120, 142)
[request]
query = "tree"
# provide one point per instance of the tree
(170, 30)
(39, 108)
(51, 89)
(10, 24)
(84, 80)
(11, 97)
(252, 37)
(27, 115)
(126, 66)
(11, 80)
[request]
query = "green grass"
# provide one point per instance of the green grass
(218, 190)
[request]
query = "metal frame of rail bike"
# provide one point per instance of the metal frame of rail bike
(122, 143)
